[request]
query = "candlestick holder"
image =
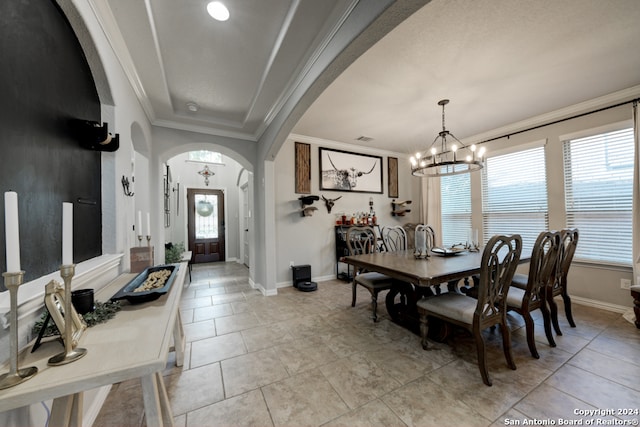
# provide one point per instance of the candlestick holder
(15, 376)
(148, 240)
(139, 239)
(69, 354)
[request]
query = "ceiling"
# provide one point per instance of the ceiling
(499, 62)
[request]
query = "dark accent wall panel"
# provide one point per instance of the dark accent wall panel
(44, 82)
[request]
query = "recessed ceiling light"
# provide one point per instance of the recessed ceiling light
(192, 106)
(218, 11)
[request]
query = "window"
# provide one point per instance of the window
(455, 204)
(205, 156)
(598, 186)
(514, 196)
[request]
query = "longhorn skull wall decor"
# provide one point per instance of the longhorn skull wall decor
(329, 203)
(347, 171)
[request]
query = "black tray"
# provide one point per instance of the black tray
(139, 297)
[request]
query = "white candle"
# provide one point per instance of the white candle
(11, 229)
(67, 233)
(148, 224)
(139, 224)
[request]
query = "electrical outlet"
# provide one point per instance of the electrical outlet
(625, 283)
(291, 264)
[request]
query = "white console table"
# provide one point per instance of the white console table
(134, 344)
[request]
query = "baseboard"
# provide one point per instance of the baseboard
(599, 304)
(288, 284)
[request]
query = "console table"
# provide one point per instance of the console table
(134, 344)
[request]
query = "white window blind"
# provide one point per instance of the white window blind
(514, 196)
(455, 205)
(598, 175)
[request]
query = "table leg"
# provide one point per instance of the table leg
(66, 411)
(178, 340)
(157, 408)
(401, 305)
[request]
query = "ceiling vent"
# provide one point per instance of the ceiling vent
(364, 139)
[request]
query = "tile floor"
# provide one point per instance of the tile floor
(310, 359)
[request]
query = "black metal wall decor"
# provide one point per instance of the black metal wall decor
(94, 136)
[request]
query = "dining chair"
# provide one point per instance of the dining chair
(394, 238)
(532, 296)
(499, 261)
(363, 240)
(425, 240)
(410, 231)
(568, 247)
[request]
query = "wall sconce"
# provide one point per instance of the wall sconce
(93, 136)
(206, 172)
(125, 186)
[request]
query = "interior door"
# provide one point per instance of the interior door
(206, 225)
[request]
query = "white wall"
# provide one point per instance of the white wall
(310, 240)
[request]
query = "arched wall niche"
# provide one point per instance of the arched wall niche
(89, 49)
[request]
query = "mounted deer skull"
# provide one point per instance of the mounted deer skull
(329, 203)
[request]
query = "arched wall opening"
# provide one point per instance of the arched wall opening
(233, 177)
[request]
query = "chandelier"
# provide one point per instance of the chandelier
(443, 160)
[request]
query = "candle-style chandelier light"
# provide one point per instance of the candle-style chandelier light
(441, 159)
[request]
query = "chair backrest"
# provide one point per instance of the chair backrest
(410, 231)
(361, 240)
(394, 238)
(543, 264)
(499, 261)
(425, 239)
(568, 244)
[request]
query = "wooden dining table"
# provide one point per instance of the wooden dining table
(417, 278)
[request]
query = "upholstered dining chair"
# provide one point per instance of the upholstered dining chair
(362, 240)
(559, 286)
(529, 291)
(499, 261)
(394, 238)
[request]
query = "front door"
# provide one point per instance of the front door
(206, 225)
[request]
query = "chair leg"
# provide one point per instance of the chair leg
(482, 357)
(553, 308)
(424, 328)
(506, 345)
(529, 325)
(567, 307)
(374, 303)
(353, 291)
(546, 318)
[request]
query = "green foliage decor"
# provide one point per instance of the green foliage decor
(103, 311)
(173, 252)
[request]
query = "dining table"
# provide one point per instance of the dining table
(415, 278)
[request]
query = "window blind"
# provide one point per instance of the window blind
(455, 205)
(598, 180)
(514, 196)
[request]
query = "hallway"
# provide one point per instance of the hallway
(310, 359)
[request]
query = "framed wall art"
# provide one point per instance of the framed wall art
(347, 171)
(303, 168)
(392, 173)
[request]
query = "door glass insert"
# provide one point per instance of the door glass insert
(206, 218)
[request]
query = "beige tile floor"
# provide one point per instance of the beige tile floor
(310, 359)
